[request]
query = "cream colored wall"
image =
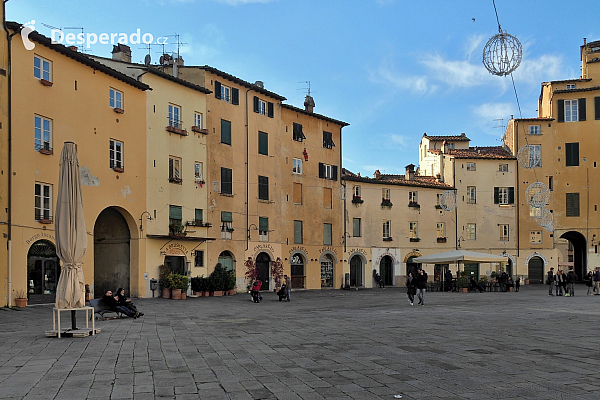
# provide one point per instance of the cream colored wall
(84, 117)
(372, 217)
(484, 213)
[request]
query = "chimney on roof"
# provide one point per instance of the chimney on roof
(309, 103)
(121, 52)
(445, 147)
(377, 174)
(438, 177)
(260, 84)
(410, 172)
(74, 48)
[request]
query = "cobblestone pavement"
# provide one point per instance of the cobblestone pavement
(330, 344)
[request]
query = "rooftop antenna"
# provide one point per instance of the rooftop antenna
(148, 48)
(307, 88)
(82, 48)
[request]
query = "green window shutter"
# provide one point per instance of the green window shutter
(198, 214)
(226, 216)
(561, 110)
(263, 224)
(235, 96)
(321, 170)
(226, 181)
(356, 227)
(297, 232)
(511, 195)
(263, 143)
(572, 154)
(572, 205)
(255, 104)
(496, 195)
(334, 169)
(581, 109)
(218, 90)
(263, 187)
(175, 212)
(225, 132)
(597, 107)
(270, 111)
(327, 234)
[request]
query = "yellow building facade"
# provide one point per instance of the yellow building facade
(59, 95)
(5, 238)
(559, 149)
(176, 220)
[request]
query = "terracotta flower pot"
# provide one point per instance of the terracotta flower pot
(218, 293)
(166, 293)
(176, 294)
(21, 303)
(464, 290)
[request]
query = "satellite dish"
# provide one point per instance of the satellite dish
(147, 59)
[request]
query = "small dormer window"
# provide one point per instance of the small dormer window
(570, 86)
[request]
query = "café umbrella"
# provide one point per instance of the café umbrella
(71, 237)
(460, 257)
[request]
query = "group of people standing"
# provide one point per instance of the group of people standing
(416, 285)
(562, 283)
(592, 281)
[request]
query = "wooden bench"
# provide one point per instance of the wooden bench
(100, 308)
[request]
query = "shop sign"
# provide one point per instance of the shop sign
(40, 236)
(174, 249)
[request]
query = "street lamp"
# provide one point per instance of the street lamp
(458, 242)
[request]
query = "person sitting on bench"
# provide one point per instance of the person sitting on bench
(112, 303)
(379, 281)
(125, 302)
(476, 285)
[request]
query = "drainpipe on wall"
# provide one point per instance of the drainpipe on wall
(9, 233)
(247, 171)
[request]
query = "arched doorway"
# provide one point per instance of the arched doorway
(326, 271)
(535, 270)
(386, 270)
(42, 272)
(577, 255)
(227, 261)
(356, 270)
(263, 262)
(111, 252)
(297, 275)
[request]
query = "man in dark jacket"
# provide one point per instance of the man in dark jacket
(448, 280)
(421, 285)
(571, 279)
(112, 303)
(551, 282)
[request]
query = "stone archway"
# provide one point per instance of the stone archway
(297, 266)
(579, 254)
(357, 270)
(263, 266)
(112, 240)
(535, 270)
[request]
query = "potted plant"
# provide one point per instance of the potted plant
(230, 282)
(386, 203)
(463, 282)
(199, 284)
(165, 281)
(177, 285)
(20, 298)
(176, 229)
(493, 275)
(216, 281)
(184, 283)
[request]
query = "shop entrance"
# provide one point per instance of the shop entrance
(176, 264)
(326, 271)
(263, 266)
(297, 271)
(535, 270)
(356, 271)
(42, 272)
(386, 270)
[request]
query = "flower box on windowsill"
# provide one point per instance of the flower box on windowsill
(441, 240)
(415, 239)
(357, 200)
(386, 203)
(177, 235)
(437, 206)
(44, 221)
(197, 129)
(178, 131)
(205, 224)
(45, 82)
(118, 110)
(47, 152)
(387, 239)
(414, 204)
(119, 169)
(175, 180)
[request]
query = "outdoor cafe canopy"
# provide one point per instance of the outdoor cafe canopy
(460, 256)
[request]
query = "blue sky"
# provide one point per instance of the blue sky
(392, 69)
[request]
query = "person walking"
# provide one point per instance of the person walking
(411, 289)
(288, 286)
(448, 278)
(571, 279)
(421, 285)
(551, 282)
(597, 280)
(589, 282)
(517, 283)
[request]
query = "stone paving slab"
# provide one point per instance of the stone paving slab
(330, 344)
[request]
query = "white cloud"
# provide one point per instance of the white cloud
(212, 39)
(459, 73)
(474, 45)
(488, 115)
(386, 75)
